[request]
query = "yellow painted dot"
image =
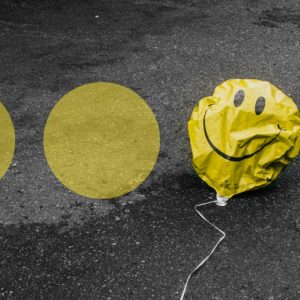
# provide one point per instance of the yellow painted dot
(101, 140)
(7, 140)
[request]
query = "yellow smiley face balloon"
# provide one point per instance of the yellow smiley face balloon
(243, 135)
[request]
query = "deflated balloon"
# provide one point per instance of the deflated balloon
(243, 135)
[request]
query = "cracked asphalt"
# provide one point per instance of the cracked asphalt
(58, 245)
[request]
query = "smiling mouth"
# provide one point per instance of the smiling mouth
(235, 158)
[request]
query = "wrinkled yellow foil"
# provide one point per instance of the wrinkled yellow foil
(243, 143)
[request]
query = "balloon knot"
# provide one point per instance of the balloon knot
(221, 201)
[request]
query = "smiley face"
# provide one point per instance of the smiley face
(243, 135)
(259, 107)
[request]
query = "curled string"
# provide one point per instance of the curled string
(211, 252)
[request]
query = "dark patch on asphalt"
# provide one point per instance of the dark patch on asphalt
(106, 40)
(266, 23)
(272, 18)
(83, 64)
(26, 120)
(146, 250)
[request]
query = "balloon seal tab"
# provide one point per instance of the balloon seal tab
(221, 201)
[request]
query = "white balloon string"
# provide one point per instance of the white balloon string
(212, 251)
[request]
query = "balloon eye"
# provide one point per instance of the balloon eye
(260, 105)
(239, 98)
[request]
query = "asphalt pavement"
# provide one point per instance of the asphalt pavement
(55, 244)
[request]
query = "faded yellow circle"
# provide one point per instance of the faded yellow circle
(101, 140)
(7, 140)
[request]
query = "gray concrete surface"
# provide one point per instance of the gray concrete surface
(58, 245)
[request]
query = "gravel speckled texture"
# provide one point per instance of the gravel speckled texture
(58, 245)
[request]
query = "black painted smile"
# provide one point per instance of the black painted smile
(234, 158)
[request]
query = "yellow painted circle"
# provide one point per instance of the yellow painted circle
(7, 140)
(101, 140)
